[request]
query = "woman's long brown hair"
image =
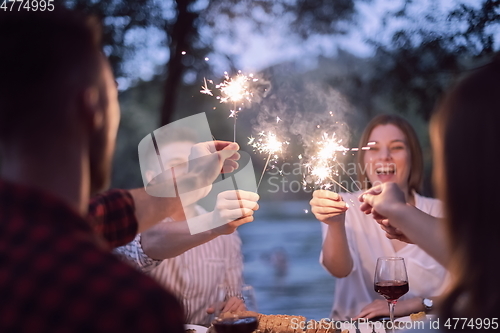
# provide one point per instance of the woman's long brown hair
(466, 129)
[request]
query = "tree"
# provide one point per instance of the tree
(119, 17)
(309, 17)
(421, 62)
(190, 17)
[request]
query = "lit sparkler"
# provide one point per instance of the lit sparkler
(320, 168)
(267, 144)
(236, 90)
(204, 88)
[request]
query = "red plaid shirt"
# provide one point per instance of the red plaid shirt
(55, 276)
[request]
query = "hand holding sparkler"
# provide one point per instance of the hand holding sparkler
(328, 206)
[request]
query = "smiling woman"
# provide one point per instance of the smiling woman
(395, 155)
(352, 242)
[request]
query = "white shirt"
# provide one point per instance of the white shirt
(367, 242)
(194, 275)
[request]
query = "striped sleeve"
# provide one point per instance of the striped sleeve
(234, 265)
(133, 254)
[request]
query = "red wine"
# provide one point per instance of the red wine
(392, 290)
(236, 325)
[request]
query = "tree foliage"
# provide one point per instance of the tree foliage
(183, 20)
(419, 64)
(119, 17)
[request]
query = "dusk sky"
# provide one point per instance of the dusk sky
(253, 52)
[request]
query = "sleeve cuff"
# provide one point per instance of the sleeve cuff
(133, 254)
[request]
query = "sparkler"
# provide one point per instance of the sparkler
(267, 144)
(233, 89)
(204, 88)
(320, 166)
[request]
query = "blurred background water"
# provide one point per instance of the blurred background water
(281, 256)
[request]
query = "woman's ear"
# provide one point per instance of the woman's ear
(91, 111)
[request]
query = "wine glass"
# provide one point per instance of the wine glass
(391, 280)
(235, 323)
(248, 294)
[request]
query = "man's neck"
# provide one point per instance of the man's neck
(59, 171)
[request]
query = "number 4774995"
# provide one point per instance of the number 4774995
(26, 5)
(472, 323)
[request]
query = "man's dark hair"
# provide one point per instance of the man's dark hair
(44, 57)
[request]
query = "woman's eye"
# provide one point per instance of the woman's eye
(373, 149)
(397, 147)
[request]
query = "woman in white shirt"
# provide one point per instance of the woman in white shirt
(352, 242)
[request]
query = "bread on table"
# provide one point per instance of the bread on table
(419, 316)
(285, 323)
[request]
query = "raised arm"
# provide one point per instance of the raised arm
(207, 160)
(405, 222)
(329, 208)
(169, 239)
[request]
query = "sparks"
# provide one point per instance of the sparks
(235, 89)
(321, 169)
(204, 88)
(267, 144)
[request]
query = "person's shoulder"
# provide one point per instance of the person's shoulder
(119, 288)
(91, 258)
(90, 287)
(425, 199)
(432, 206)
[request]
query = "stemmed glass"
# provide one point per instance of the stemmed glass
(248, 294)
(235, 323)
(391, 280)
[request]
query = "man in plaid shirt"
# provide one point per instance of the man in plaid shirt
(59, 116)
